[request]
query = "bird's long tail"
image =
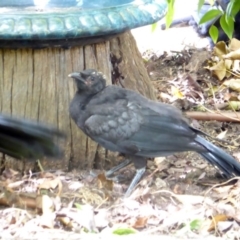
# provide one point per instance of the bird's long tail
(218, 157)
(20, 138)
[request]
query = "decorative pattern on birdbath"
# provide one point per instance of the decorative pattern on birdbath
(52, 19)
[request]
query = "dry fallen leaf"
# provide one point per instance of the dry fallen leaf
(237, 155)
(51, 184)
(219, 70)
(176, 93)
(140, 222)
(216, 219)
(224, 62)
(224, 226)
(222, 135)
(159, 160)
(235, 55)
(234, 44)
(235, 67)
(47, 204)
(220, 49)
(234, 105)
(48, 216)
(83, 217)
(104, 183)
(223, 189)
(233, 84)
(230, 96)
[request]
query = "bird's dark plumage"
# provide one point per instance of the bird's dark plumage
(124, 121)
(24, 139)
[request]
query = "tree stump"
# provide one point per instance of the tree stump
(34, 84)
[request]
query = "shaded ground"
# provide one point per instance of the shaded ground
(180, 79)
(179, 197)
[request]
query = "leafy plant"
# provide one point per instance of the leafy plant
(169, 15)
(226, 17)
(170, 12)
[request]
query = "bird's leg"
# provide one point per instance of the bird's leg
(140, 165)
(136, 179)
(118, 167)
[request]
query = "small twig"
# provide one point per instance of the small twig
(221, 184)
(40, 165)
(218, 116)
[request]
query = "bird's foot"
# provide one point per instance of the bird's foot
(136, 179)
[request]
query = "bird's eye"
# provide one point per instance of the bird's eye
(92, 79)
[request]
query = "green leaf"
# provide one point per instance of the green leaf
(210, 15)
(227, 18)
(171, 2)
(213, 32)
(233, 8)
(78, 206)
(195, 224)
(124, 231)
(170, 13)
(153, 27)
(169, 18)
(227, 26)
(200, 4)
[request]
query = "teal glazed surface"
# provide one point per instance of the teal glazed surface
(41, 20)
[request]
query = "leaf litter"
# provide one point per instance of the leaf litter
(180, 196)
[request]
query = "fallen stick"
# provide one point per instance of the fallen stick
(218, 116)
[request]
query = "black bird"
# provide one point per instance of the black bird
(25, 139)
(124, 121)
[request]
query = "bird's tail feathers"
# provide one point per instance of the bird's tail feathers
(218, 157)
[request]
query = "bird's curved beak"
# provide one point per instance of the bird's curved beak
(74, 75)
(77, 76)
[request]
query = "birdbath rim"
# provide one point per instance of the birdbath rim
(28, 23)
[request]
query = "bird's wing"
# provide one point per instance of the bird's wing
(163, 134)
(113, 122)
(21, 138)
(131, 126)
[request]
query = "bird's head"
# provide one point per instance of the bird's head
(89, 81)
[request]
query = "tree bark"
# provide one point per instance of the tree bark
(34, 84)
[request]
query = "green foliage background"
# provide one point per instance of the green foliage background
(226, 17)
